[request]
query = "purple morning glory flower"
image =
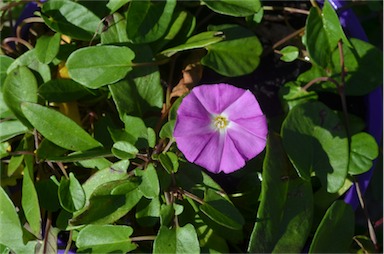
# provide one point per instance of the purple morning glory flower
(220, 127)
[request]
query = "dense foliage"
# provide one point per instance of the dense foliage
(89, 98)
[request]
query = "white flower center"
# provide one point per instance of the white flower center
(220, 122)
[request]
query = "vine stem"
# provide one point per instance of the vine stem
(287, 9)
(319, 79)
(191, 196)
(69, 243)
(288, 37)
(371, 230)
(143, 238)
(19, 40)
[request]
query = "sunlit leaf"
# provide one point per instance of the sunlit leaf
(70, 18)
(105, 239)
(233, 7)
(176, 240)
(20, 86)
(337, 223)
(58, 128)
(47, 47)
(148, 20)
(97, 66)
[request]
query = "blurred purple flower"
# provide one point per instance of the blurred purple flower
(220, 127)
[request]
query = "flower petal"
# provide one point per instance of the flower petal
(215, 98)
(211, 155)
(190, 126)
(192, 107)
(192, 146)
(256, 125)
(231, 159)
(248, 144)
(245, 106)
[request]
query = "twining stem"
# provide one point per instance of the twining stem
(319, 79)
(288, 37)
(143, 238)
(69, 243)
(371, 230)
(46, 232)
(341, 90)
(26, 21)
(19, 40)
(191, 196)
(287, 9)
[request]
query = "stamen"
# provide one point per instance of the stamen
(220, 122)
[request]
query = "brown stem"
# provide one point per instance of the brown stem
(287, 9)
(191, 196)
(19, 40)
(319, 79)
(26, 21)
(288, 37)
(143, 238)
(46, 232)
(371, 230)
(69, 243)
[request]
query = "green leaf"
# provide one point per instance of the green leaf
(47, 47)
(50, 241)
(176, 240)
(293, 94)
(150, 182)
(11, 232)
(29, 198)
(332, 26)
(290, 53)
(5, 62)
(167, 212)
(81, 156)
(62, 90)
(10, 129)
(148, 212)
(315, 141)
(360, 70)
(316, 39)
(147, 21)
(221, 211)
(97, 66)
(135, 127)
(197, 41)
(58, 128)
(70, 18)
(337, 223)
(29, 59)
(105, 239)
(124, 150)
(284, 217)
(364, 149)
(103, 176)
(151, 135)
(5, 147)
(47, 191)
(237, 55)
(114, 5)
(169, 161)
(20, 86)
(71, 194)
(181, 27)
(167, 129)
(109, 202)
(116, 32)
(141, 91)
(234, 7)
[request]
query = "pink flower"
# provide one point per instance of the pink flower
(220, 127)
